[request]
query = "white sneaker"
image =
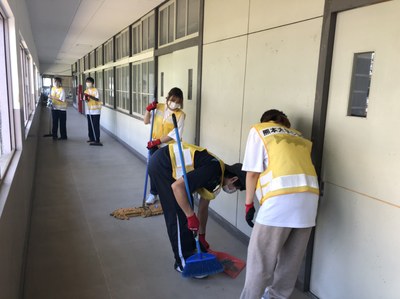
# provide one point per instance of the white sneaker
(151, 199)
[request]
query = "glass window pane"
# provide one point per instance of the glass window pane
(145, 79)
(163, 26)
(193, 16)
(180, 18)
(99, 53)
(171, 19)
(151, 31)
(145, 35)
(151, 79)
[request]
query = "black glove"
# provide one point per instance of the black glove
(250, 210)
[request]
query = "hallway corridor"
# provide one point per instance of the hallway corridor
(77, 250)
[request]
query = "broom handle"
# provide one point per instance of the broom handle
(189, 195)
(178, 141)
(148, 159)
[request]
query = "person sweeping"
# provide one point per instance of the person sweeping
(206, 175)
(93, 111)
(163, 130)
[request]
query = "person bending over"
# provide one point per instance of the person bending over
(206, 175)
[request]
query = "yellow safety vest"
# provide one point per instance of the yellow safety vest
(189, 165)
(57, 104)
(290, 169)
(162, 127)
(92, 104)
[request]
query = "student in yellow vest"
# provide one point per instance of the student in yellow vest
(163, 129)
(206, 175)
(282, 176)
(93, 110)
(59, 110)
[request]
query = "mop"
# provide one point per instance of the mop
(49, 106)
(144, 211)
(201, 263)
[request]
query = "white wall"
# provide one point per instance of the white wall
(129, 129)
(257, 55)
(357, 243)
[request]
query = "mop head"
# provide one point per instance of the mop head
(126, 213)
(201, 264)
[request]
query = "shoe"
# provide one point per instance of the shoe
(62, 138)
(89, 141)
(96, 143)
(200, 276)
(151, 199)
(178, 267)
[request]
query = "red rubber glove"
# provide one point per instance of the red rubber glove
(250, 211)
(153, 143)
(193, 223)
(152, 106)
(86, 96)
(202, 239)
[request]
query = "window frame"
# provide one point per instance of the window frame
(7, 128)
(122, 48)
(125, 107)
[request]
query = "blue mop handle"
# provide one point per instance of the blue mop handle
(148, 158)
(189, 195)
(178, 141)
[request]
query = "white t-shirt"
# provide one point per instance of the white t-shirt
(296, 210)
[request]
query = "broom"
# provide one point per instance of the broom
(148, 159)
(201, 263)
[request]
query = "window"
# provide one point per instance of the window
(27, 86)
(7, 138)
(92, 59)
(187, 17)
(122, 44)
(360, 84)
(81, 65)
(142, 86)
(136, 39)
(166, 27)
(99, 84)
(99, 56)
(122, 92)
(109, 51)
(148, 26)
(109, 87)
(86, 62)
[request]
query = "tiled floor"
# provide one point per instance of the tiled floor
(77, 250)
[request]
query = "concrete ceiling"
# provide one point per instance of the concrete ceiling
(65, 30)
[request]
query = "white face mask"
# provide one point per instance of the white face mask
(57, 84)
(89, 85)
(228, 190)
(173, 105)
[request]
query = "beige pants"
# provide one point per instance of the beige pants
(274, 258)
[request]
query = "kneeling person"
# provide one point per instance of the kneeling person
(206, 175)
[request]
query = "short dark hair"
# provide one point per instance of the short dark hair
(275, 116)
(236, 170)
(90, 79)
(57, 79)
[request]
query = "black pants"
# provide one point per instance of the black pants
(59, 116)
(181, 238)
(94, 131)
(153, 189)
